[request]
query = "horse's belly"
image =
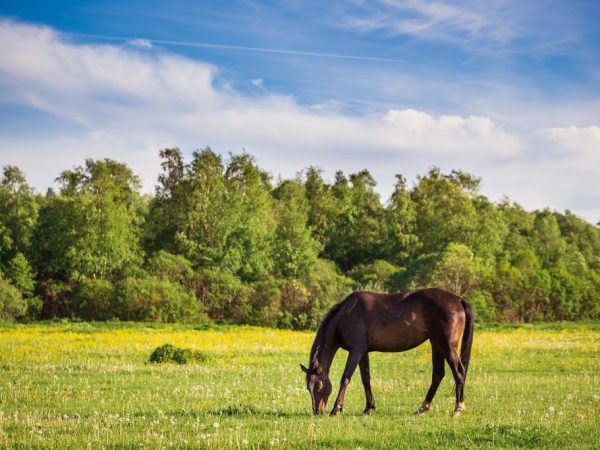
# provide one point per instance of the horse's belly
(396, 340)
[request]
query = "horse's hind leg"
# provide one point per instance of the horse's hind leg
(366, 380)
(437, 359)
(458, 373)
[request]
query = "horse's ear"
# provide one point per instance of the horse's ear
(304, 369)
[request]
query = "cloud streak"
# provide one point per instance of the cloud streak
(148, 43)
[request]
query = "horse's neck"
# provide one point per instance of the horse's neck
(323, 350)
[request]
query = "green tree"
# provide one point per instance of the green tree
(458, 270)
(357, 236)
(444, 210)
(321, 205)
(401, 241)
(93, 227)
(18, 215)
(295, 250)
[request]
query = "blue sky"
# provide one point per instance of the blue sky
(507, 90)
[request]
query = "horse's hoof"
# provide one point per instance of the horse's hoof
(336, 411)
(368, 411)
(459, 409)
(425, 407)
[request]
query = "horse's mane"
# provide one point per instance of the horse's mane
(320, 337)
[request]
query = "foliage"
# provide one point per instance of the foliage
(168, 353)
(18, 214)
(175, 268)
(12, 304)
(219, 239)
(92, 228)
(374, 276)
(295, 249)
(93, 299)
(153, 299)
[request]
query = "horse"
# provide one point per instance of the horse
(369, 322)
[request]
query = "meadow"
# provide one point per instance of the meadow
(89, 385)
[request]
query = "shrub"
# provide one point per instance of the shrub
(224, 295)
(156, 300)
(304, 303)
(482, 303)
(373, 276)
(56, 297)
(168, 266)
(265, 302)
(326, 287)
(93, 299)
(12, 304)
(170, 354)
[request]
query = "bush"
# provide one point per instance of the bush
(20, 273)
(156, 300)
(373, 276)
(168, 266)
(223, 295)
(56, 297)
(483, 306)
(265, 302)
(171, 354)
(12, 304)
(93, 299)
(305, 303)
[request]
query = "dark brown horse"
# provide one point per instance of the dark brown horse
(367, 322)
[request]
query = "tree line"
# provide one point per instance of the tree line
(221, 240)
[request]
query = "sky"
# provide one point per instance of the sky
(506, 90)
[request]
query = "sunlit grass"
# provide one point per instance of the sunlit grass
(74, 385)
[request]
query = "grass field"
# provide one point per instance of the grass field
(79, 385)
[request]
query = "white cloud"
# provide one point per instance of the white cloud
(579, 141)
(126, 104)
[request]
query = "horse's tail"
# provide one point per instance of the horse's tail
(467, 339)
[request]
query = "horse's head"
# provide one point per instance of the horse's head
(319, 386)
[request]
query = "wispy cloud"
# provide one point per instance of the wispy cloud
(240, 48)
(423, 18)
(476, 24)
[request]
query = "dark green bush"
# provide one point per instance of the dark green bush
(265, 302)
(168, 266)
(170, 354)
(12, 304)
(223, 295)
(154, 299)
(482, 304)
(373, 276)
(93, 299)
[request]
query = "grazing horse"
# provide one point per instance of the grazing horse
(368, 322)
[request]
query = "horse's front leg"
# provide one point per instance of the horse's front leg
(353, 358)
(366, 380)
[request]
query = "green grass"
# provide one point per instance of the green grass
(78, 385)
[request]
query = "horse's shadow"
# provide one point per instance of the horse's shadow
(230, 411)
(241, 411)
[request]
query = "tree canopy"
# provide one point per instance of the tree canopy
(220, 239)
